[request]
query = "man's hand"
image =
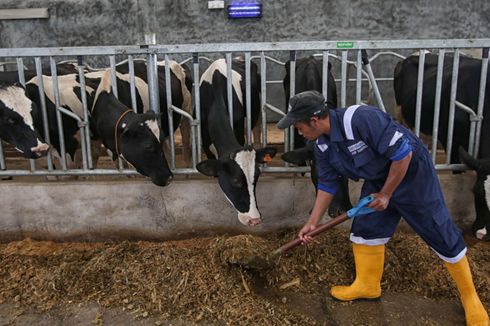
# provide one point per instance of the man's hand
(380, 202)
(307, 228)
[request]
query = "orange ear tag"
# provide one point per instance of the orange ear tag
(267, 158)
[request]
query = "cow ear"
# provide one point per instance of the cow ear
(299, 156)
(210, 167)
(265, 155)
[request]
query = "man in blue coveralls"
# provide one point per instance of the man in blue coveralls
(362, 142)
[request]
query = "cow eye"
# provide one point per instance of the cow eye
(11, 121)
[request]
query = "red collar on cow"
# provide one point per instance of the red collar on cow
(116, 128)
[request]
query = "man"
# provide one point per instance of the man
(362, 142)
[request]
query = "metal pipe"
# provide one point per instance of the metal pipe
(437, 103)
(365, 61)
(325, 74)
(359, 77)
(22, 81)
(274, 109)
(229, 87)
(473, 121)
(42, 97)
(452, 104)
(2, 157)
(248, 98)
(86, 144)
(343, 82)
(289, 132)
(57, 103)
(112, 60)
(153, 93)
(168, 91)
(420, 89)
(481, 98)
(263, 97)
(132, 83)
(197, 103)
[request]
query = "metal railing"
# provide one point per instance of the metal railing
(263, 54)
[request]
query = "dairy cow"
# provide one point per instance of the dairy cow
(235, 165)
(308, 76)
(405, 87)
(481, 192)
(17, 116)
(137, 138)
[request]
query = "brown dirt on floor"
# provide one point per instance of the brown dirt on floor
(197, 280)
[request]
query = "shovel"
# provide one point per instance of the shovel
(264, 263)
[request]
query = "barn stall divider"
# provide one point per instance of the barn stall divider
(353, 63)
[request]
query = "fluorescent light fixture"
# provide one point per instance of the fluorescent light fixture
(244, 9)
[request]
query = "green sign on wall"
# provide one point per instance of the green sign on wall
(345, 45)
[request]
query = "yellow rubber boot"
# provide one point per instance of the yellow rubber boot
(473, 308)
(369, 262)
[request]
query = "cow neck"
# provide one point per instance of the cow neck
(116, 130)
(222, 135)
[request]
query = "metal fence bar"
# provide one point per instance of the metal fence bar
(112, 60)
(452, 104)
(152, 77)
(437, 103)
(263, 97)
(473, 120)
(197, 102)
(39, 73)
(420, 89)
(132, 83)
(244, 47)
(168, 90)
(2, 157)
(57, 103)
(325, 74)
(289, 132)
(22, 81)
(85, 129)
(343, 82)
(481, 98)
(359, 77)
(365, 61)
(229, 87)
(248, 97)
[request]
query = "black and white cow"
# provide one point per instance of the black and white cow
(235, 165)
(481, 192)
(308, 76)
(181, 87)
(17, 115)
(405, 86)
(136, 137)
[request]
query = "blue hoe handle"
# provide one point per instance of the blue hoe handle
(360, 208)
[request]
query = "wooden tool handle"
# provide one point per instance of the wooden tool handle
(319, 229)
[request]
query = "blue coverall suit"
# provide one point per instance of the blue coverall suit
(363, 142)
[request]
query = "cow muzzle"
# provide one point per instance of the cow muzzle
(162, 182)
(248, 220)
(40, 150)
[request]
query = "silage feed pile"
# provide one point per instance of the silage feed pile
(201, 280)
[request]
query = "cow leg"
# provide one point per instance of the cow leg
(341, 200)
(481, 226)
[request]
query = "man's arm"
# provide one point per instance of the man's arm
(322, 201)
(398, 170)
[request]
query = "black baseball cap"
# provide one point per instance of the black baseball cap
(303, 106)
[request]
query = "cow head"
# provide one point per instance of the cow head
(16, 122)
(238, 172)
(141, 144)
(481, 191)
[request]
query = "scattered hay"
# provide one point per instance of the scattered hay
(198, 280)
